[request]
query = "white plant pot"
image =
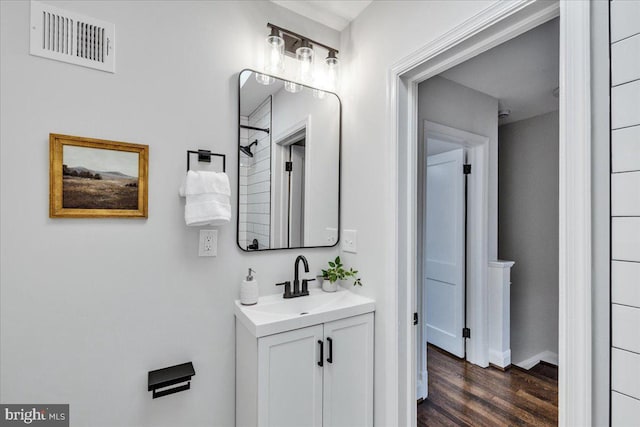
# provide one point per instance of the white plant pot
(327, 286)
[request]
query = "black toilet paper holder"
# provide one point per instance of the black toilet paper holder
(165, 377)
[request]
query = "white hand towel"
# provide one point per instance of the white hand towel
(208, 198)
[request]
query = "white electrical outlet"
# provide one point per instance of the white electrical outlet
(208, 245)
(350, 241)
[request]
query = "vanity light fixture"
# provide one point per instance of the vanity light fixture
(304, 55)
(281, 42)
(273, 57)
(333, 68)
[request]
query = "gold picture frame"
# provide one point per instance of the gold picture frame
(96, 178)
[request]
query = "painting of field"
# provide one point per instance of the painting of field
(88, 193)
(94, 178)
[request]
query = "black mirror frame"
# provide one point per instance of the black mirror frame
(271, 148)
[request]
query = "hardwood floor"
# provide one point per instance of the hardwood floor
(462, 394)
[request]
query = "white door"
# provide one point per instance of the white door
(348, 372)
(290, 379)
(444, 251)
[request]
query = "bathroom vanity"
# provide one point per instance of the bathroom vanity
(305, 362)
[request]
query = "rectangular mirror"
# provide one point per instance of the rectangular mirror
(289, 164)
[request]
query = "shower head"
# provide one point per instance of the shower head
(247, 148)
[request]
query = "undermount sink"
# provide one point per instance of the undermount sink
(274, 314)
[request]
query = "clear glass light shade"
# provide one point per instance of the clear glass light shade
(292, 87)
(264, 79)
(274, 54)
(304, 55)
(333, 71)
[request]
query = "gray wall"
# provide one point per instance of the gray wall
(528, 230)
(89, 306)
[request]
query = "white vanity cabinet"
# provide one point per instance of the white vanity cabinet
(320, 375)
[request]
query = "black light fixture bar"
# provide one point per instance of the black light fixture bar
(301, 37)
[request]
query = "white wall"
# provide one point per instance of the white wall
(528, 231)
(89, 306)
(382, 35)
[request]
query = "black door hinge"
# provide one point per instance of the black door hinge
(466, 169)
(466, 333)
(288, 166)
(415, 318)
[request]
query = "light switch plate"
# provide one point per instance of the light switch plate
(208, 245)
(350, 241)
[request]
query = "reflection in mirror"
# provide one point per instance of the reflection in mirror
(289, 165)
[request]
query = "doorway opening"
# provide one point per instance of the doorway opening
(487, 186)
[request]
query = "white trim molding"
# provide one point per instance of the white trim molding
(574, 381)
(498, 23)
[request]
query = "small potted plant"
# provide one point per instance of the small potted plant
(335, 272)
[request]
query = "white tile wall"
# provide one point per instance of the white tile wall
(625, 377)
(625, 238)
(625, 194)
(625, 19)
(625, 211)
(625, 410)
(258, 209)
(625, 149)
(625, 283)
(625, 60)
(625, 321)
(625, 110)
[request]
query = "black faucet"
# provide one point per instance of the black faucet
(297, 292)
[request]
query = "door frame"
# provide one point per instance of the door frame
(477, 237)
(499, 22)
(281, 142)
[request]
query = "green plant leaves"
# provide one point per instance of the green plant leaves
(336, 271)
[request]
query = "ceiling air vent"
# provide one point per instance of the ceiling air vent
(73, 38)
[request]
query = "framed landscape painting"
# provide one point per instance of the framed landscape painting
(95, 178)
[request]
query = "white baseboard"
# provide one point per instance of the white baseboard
(545, 356)
(500, 359)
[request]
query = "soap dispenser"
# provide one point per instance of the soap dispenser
(249, 290)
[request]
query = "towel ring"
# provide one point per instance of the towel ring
(205, 156)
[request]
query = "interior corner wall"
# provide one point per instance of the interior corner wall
(89, 306)
(528, 231)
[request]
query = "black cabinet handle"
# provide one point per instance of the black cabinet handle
(330, 358)
(321, 352)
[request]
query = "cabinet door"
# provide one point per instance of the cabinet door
(290, 379)
(348, 372)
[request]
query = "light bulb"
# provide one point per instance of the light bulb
(304, 55)
(274, 53)
(292, 87)
(320, 94)
(264, 79)
(333, 69)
